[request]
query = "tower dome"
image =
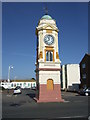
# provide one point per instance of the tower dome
(47, 17)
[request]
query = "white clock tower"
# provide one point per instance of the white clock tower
(48, 62)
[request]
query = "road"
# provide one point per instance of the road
(23, 106)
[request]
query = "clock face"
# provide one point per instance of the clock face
(49, 39)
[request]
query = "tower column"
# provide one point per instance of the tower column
(48, 64)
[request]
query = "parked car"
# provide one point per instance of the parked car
(17, 90)
(85, 91)
(33, 88)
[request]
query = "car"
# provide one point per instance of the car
(33, 88)
(85, 91)
(17, 90)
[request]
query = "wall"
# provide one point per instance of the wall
(71, 76)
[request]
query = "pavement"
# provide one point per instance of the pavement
(24, 106)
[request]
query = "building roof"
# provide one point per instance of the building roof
(85, 58)
(24, 80)
(88, 54)
(47, 17)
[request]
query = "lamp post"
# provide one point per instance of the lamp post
(10, 67)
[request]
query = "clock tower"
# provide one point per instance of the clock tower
(47, 61)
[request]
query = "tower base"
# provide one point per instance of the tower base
(45, 95)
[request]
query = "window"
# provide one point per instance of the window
(17, 84)
(24, 84)
(33, 84)
(83, 65)
(12, 85)
(84, 76)
(28, 84)
(49, 56)
(84, 86)
(20, 84)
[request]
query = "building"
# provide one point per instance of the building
(48, 62)
(22, 83)
(70, 77)
(85, 71)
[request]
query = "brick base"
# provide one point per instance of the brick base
(45, 95)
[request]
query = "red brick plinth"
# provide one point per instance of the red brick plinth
(45, 95)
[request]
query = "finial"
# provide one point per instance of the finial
(46, 10)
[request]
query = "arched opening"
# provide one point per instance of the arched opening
(49, 56)
(50, 84)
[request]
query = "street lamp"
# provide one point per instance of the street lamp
(10, 67)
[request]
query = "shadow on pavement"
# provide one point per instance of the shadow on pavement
(31, 95)
(15, 104)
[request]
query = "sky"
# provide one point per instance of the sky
(19, 22)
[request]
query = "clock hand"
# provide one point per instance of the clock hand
(50, 40)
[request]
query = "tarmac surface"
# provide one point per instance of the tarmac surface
(24, 106)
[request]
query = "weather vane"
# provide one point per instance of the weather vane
(46, 10)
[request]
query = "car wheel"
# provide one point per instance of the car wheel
(86, 94)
